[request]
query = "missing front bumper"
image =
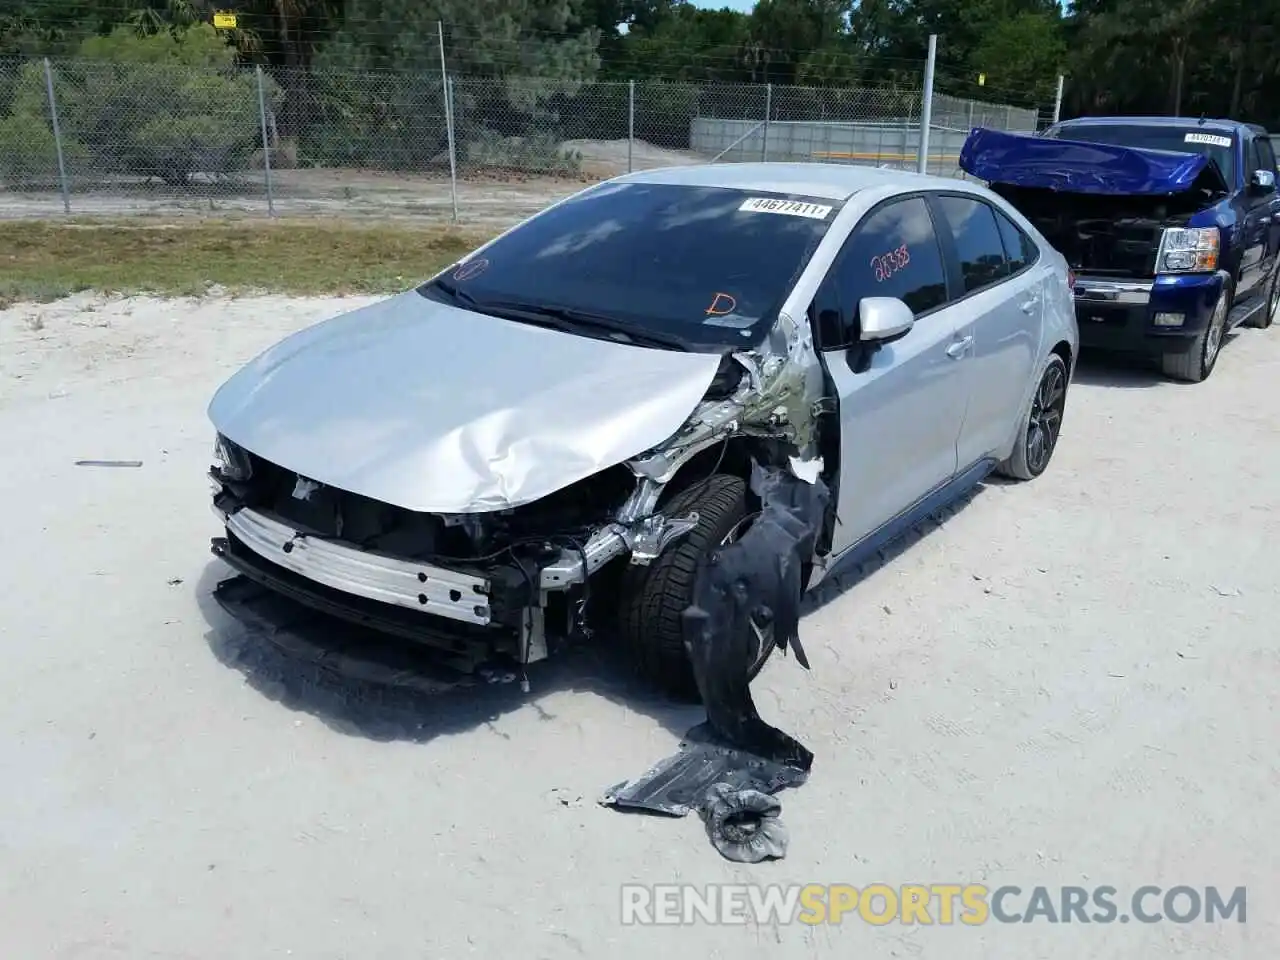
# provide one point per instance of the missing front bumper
(389, 580)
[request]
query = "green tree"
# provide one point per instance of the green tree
(165, 105)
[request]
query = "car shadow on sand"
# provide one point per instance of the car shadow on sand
(1101, 369)
(846, 576)
(359, 683)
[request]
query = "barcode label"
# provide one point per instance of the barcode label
(1208, 138)
(791, 208)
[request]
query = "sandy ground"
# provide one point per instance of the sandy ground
(1070, 682)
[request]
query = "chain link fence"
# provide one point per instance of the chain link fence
(96, 138)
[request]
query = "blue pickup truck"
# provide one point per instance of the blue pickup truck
(1171, 227)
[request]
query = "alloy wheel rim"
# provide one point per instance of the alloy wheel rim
(764, 634)
(1045, 424)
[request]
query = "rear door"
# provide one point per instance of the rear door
(1001, 305)
(900, 413)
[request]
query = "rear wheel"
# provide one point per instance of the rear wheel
(1196, 364)
(1041, 425)
(654, 597)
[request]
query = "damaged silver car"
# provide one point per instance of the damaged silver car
(549, 437)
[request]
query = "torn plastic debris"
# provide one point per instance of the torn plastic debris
(731, 790)
(729, 768)
(743, 824)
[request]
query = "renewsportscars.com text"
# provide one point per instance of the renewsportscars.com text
(967, 904)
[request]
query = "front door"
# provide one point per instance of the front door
(1270, 207)
(1254, 208)
(901, 413)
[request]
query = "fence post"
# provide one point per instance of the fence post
(1057, 100)
(446, 87)
(266, 143)
(57, 138)
(631, 122)
(768, 109)
(926, 106)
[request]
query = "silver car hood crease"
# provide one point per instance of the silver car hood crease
(436, 409)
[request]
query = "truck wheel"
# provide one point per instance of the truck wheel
(653, 597)
(1041, 425)
(1196, 364)
(1272, 309)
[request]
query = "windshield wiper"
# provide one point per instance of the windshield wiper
(571, 320)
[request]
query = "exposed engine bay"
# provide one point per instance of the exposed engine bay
(1108, 235)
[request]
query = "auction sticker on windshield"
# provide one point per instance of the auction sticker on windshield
(792, 208)
(1209, 138)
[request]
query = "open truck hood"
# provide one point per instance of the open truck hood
(1078, 167)
(436, 409)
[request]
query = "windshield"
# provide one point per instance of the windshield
(702, 267)
(1215, 144)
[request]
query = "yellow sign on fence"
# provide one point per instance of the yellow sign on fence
(224, 21)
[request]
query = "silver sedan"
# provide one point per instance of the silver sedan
(552, 437)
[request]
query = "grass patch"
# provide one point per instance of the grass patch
(42, 261)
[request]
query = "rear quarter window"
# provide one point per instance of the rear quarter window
(1019, 248)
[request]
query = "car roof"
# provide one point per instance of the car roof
(1234, 126)
(830, 181)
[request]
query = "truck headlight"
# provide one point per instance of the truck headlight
(1188, 250)
(230, 460)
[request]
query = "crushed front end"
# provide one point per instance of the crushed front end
(511, 583)
(489, 584)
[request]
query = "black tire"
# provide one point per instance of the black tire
(1268, 314)
(653, 598)
(1196, 364)
(1043, 418)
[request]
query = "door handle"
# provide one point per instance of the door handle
(1029, 304)
(957, 349)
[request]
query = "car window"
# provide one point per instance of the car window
(709, 266)
(978, 244)
(894, 253)
(1019, 249)
(1250, 160)
(1266, 155)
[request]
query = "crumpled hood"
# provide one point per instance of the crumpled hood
(1079, 167)
(436, 409)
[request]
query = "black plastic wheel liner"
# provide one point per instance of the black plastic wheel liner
(725, 765)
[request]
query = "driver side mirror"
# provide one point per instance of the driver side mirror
(1263, 181)
(884, 319)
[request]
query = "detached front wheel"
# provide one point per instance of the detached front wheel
(654, 597)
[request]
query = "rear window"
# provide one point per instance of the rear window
(709, 266)
(1216, 144)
